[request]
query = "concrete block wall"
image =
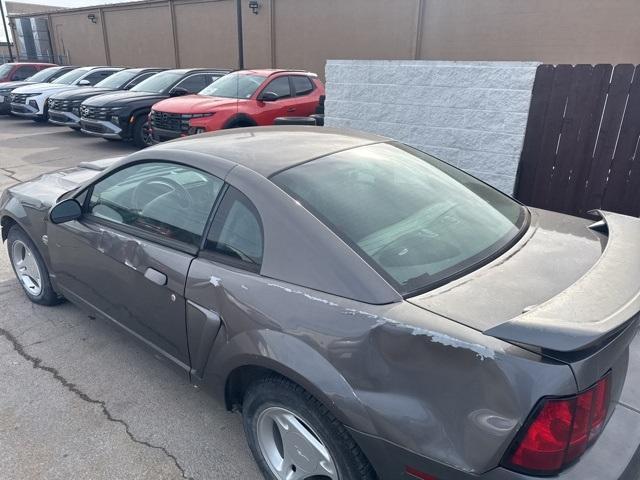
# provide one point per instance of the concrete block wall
(470, 114)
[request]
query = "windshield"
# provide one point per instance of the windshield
(72, 76)
(5, 69)
(43, 75)
(118, 79)
(415, 219)
(234, 85)
(158, 83)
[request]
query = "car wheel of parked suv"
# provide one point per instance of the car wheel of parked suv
(30, 268)
(142, 133)
(292, 435)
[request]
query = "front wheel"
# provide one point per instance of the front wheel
(294, 437)
(30, 268)
(142, 132)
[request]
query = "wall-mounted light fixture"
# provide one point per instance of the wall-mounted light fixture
(92, 18)
(254, 5)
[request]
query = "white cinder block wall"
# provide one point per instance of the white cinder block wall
(470, 114)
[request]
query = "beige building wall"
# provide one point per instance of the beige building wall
(73, 34)
(140, 35)
(550, 31)
(308, 32)
(207, 34)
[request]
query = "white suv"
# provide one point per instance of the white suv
(31, 101)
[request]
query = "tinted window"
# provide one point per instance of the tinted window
(47, 74)
(234, 85)
(140, 79)
(117, 80)
(194, 83)
(279, 86)
(70, 77)
(165, 199)
(158, 83)
(302, 85)
(96, 77)
(236, 233)
(416, 219)
(5, 69)
(24, 72)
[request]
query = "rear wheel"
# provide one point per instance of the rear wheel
(294, 437)
(30, 268)
(142, 132)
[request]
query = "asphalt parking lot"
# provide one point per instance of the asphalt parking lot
(79, 399)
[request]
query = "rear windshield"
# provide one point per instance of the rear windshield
(417, 220)
(72, 76)
(158, 83)
(234, 85)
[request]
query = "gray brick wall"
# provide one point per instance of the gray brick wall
(470, 114)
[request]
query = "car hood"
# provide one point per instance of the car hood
(45, 88)
(194, 104)
(121, 99)
(564, 286)
(14, 84)
(80, 93)
(43, 191)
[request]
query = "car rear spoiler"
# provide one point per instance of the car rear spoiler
(595, 307)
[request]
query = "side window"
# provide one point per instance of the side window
(24, 72)
(280, 86)
(96, 77)
(235, 236)
(59, 73)
(165, 199)
(302, 85)
(139, 79)
(194, 83)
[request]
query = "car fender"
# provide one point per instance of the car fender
(240, 117)
(292, 358)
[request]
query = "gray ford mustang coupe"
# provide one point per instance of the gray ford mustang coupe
(373, 312)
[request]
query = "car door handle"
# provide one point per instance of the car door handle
(155, 276)
(291, 109)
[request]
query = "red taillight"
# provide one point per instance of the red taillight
(559, 431)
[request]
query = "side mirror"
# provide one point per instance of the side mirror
(84, 83)
(179, 92)
(269, 97)
(65, 211)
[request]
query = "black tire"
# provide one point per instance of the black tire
(112, 139)
(77, 129)
(141, 135)
(47, 295)
(276, 391)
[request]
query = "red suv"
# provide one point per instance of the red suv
(21, 70)
(245, 98)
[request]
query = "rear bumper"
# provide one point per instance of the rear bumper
(101, 128)
(67, 119)
(615, 456)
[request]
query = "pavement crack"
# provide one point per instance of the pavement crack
(73, 388)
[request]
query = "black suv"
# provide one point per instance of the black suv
(124, 115)
(47, 75)
(64, 107)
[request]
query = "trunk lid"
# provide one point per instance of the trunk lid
(567, 286)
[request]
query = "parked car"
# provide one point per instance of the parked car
(124, 115)
(372, 311)
(21, 70)
(246, 98)
(64, 107)
(31, 101)
(46, 75)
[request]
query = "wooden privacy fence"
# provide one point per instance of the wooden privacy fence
(581, 144)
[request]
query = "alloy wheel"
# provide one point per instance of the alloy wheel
(292, 450)
(26, 267)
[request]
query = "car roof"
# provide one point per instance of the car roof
(269, 150)
(267, 72)
(190, 70)
(18, 64)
